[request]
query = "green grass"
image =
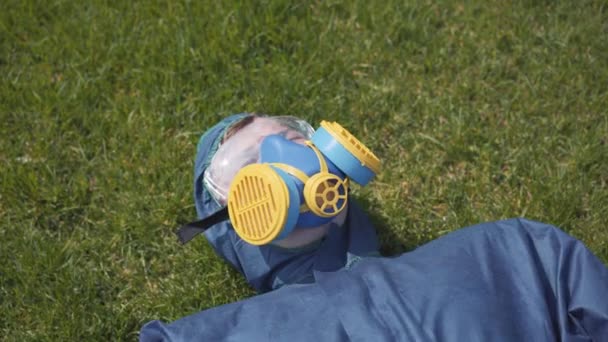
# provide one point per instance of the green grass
(480, 110)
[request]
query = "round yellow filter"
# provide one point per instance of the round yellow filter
(353, 145)
(322, 194)
(258, 203)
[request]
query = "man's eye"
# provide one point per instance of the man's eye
(283, 134)
(251, 161)
(296, 136)
(291, 135)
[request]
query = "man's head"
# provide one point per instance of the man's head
(235, 143)
(266, 266)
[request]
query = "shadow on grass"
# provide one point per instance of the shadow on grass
(391, 243)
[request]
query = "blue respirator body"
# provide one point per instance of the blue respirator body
(295, 185)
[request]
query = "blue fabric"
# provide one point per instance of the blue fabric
(513, 280)
(269, 267)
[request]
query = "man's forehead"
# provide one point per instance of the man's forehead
(260, 127)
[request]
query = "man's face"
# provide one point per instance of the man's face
(241, 149)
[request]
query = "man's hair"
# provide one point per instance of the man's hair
(238, 126)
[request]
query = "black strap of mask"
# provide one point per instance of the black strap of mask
(188, 231)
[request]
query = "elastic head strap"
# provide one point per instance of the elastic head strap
(300, 175)
(322, 164)
(188, 231)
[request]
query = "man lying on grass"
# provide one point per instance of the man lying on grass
(512, 280)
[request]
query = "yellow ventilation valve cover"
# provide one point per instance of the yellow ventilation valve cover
(325, 194)
(258, 203)
(353, 145)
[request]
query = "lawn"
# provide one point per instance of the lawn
(480, 110)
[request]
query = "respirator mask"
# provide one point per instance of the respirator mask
(291, 178)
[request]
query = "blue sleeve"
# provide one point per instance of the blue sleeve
(513, 280)
(293, 313)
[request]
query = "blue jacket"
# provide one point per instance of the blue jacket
(513, 280)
